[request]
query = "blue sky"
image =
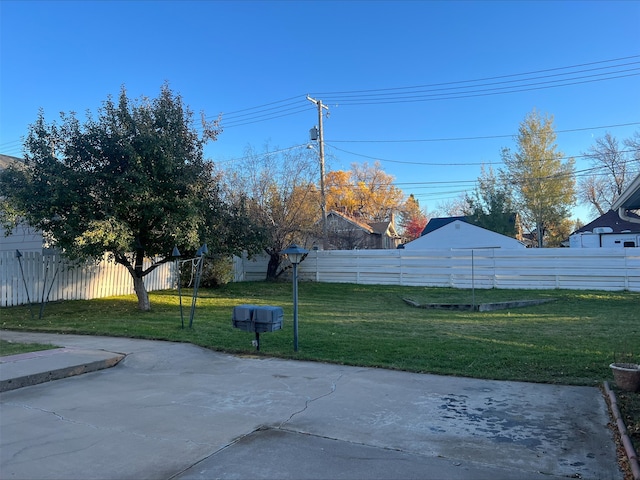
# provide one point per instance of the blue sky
(478, 67)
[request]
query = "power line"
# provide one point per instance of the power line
(265, 116)
(451, 164)
(438, 184)
(10, 143)
(234, 113)
(430, 92)
(261, 154)
(410, 95)
(485, 137)
(466, 184)
(483, 79)
(472, 93)
(296, 104)
(406, 162)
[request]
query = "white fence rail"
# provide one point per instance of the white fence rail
(36, 277)
(578, 269)
(52, 277)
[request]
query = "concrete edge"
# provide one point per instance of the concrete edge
(478, 307)
(632, 457)
(57, 374)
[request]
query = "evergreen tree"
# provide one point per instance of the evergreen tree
(491, 205)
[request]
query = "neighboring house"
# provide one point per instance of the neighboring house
(23, 237)
(629, 202)
(608, 231)
(620, 227)
(348, 233)
(456, 232)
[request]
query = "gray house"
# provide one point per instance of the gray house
(349, 233)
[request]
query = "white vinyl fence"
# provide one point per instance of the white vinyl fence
(36, 277)
(579, 269)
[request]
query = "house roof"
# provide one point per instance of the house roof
(630, 198)
(436, 223)
(379, 228)
(383, 227)
(6, 160)
(611, 219)
(353, 221)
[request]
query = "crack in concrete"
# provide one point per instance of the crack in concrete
(58, 416)
(334, 385)
(17, 454)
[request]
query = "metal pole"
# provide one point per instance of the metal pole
(473, 283)
(195, 291)
(295, 307)
(177, 268)
(202, 251)
(46, 300)
(24, 280)
(44, 286)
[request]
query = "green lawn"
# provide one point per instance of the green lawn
(10, 348)
(570, 340)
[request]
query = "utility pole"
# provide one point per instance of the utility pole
(323, 198)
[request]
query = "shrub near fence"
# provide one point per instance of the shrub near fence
(578, 269)
(53, 276)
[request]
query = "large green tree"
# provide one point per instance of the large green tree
(543, 184)
(131, 183)
(491, 204)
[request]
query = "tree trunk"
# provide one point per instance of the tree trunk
(143, 296)
(137, 275)
(540, 233)
(138, 281)
(272, 267)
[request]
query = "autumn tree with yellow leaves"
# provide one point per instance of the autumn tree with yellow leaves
(365, 192)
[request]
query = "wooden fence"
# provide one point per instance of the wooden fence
(579, 269)
(36, 277)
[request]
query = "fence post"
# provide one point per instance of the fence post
(626, 270)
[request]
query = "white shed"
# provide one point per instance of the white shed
(460, 234)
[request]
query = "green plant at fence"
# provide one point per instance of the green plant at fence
(216, 271)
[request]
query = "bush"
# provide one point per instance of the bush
(216, 271)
